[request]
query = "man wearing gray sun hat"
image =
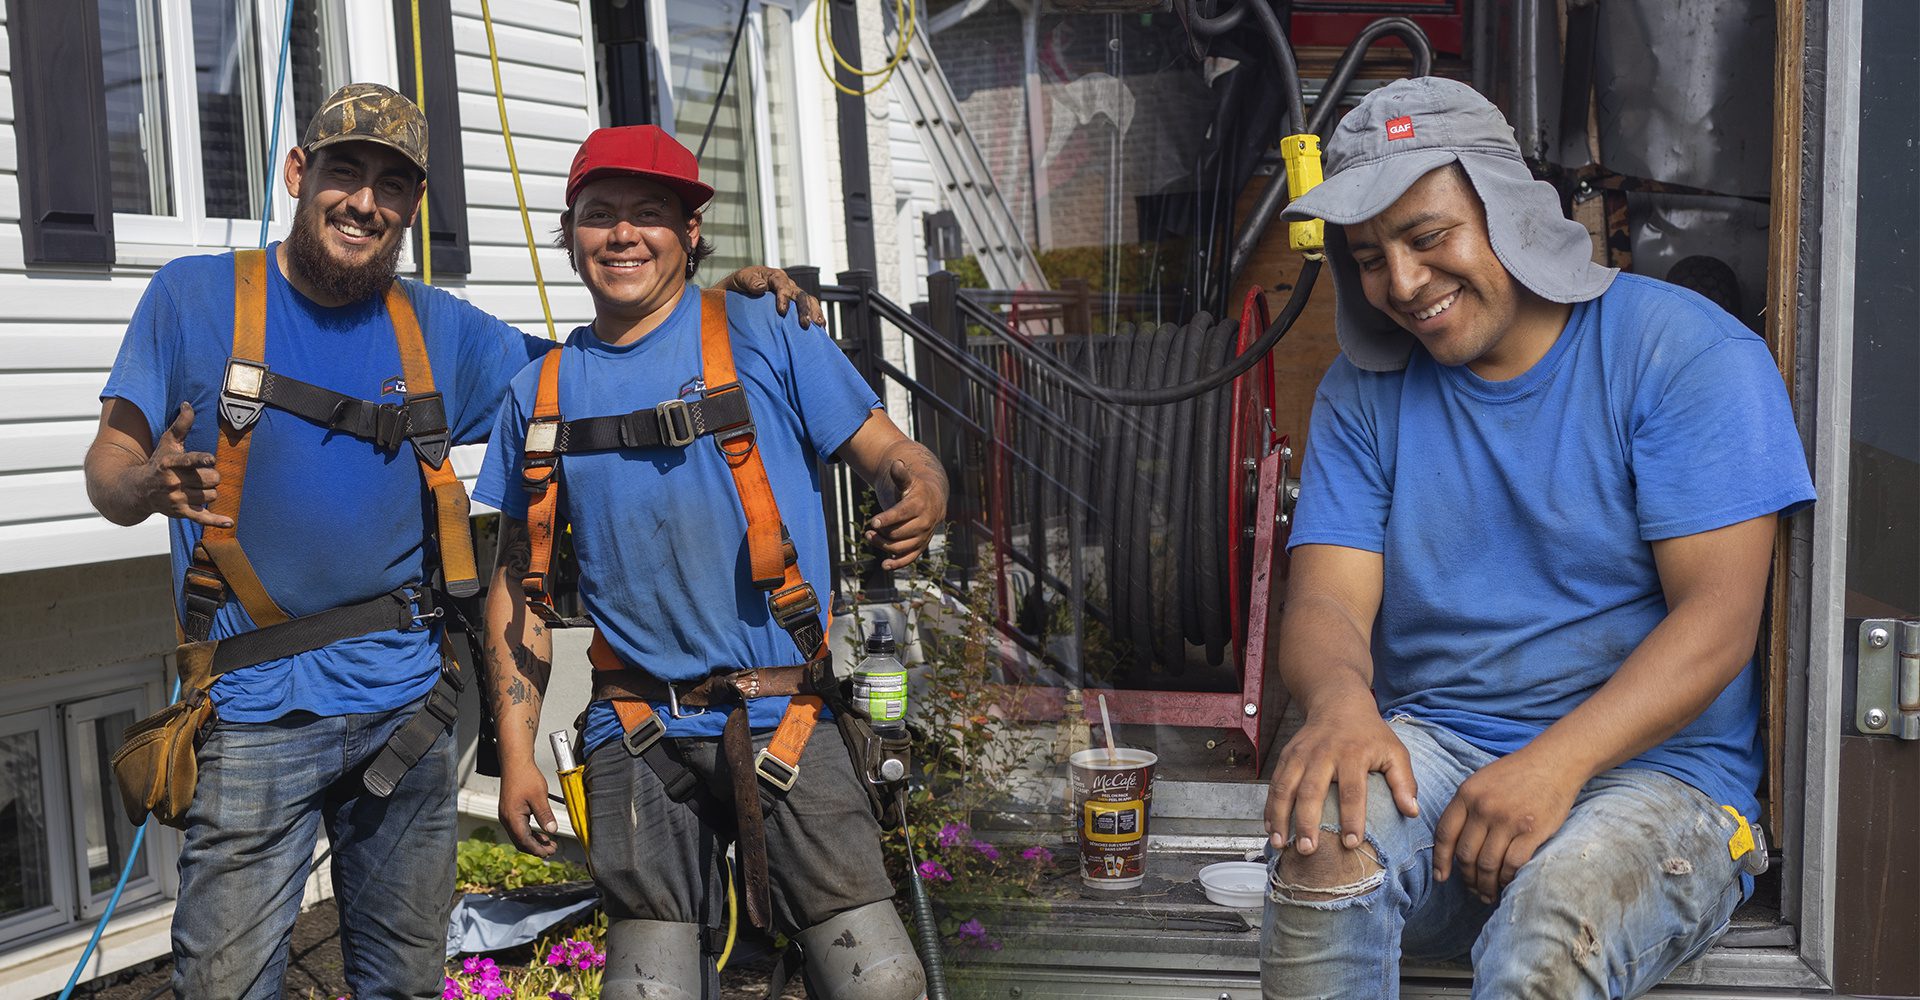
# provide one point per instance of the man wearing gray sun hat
(1527, 572)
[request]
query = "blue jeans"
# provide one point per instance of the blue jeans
(1637, 881)
(264, 791)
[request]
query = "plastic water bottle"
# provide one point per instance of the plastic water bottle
(880, 684)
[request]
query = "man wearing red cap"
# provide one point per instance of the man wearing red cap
(675, 429)
(312, 602)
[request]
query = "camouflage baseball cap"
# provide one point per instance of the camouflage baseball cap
(373, 113)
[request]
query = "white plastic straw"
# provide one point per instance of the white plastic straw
(1106, 723)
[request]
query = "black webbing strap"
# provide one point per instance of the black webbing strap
(306, 633)
(416, 736)
(675, 423)
(422, 418)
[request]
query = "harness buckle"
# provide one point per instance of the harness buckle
(243, 392)
(795, 606)
(774, 771)
(424, 416)
(543, 436)
(676, 423)
(389, 426)
(644, 735)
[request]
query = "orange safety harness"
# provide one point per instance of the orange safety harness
(722, 414)
(220, 567)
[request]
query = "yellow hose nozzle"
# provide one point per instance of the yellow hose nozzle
(1301, 154)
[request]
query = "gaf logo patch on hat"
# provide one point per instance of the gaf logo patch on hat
(1400, 128)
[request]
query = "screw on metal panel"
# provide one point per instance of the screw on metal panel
(1876, 718)
(1014, 992)
(1877, 638)
(1212, 743)
(1251, 709)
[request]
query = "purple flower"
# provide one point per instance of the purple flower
(951, 834)
(972, 933)
(1038, 855)
(492, 989)
(988, 851)
(584, 955)
(557, 955)
(558, 995)
(452, 990)
(934, 870)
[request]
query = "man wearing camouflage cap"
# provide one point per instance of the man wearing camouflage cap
(306, 352)
(1527, 572)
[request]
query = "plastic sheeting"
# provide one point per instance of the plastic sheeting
(496, 922)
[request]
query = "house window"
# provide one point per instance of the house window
(64, 837)
(188, 87)
(700, 38)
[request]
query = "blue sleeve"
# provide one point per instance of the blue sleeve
(143, 372)
(1719, 446)
(498, 484)
(490, 352)
(1345, 491)
(833, 401)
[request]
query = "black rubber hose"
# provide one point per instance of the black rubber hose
(1162, 395)
(1208, 27)
(1115, 439)
(1140, 563)
(1170, 498)
(1210, 523)
(1322, 122)
(926, 925)
(1283, 62)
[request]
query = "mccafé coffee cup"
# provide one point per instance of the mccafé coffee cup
(1112, 797)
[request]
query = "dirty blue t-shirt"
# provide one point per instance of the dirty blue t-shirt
(1515, 517)
(326, 518)
(659, 532)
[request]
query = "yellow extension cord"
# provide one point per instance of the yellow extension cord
(513, 165)
(420, 101)
(903, 14)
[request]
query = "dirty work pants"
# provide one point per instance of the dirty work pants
(265, 791)
(657, 859)
(1634, 883)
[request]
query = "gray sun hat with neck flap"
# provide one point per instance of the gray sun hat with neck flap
(1397, 135)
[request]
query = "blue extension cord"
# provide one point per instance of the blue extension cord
(266, 215)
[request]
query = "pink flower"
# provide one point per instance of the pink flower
(934, 870)
(951, 834)
(1038, 855)
(452, 990)
(557, 955)
(492, 989)
(988, 851)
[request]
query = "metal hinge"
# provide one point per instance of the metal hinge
(1886, 699)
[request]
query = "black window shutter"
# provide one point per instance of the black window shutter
(60, 121)
(447, 180)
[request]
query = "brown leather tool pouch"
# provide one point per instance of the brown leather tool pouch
(156, 765)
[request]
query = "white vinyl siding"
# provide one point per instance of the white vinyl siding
(60, 327)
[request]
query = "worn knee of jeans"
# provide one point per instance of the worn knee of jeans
(1335, 875)
(1332, 877)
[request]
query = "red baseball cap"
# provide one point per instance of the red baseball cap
(642, 150)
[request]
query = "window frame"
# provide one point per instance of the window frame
(153, 240)
(51, 700)
(754, 67)
(59, 912)
(89, 905)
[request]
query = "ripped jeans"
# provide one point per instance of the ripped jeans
(1637, 881)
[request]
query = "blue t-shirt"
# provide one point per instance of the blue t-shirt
(326, 518)
(659, 532)
(1515, 517)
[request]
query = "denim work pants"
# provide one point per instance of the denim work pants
(1637, 881)
(265, 790)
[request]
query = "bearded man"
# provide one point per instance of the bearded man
(339, 391)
